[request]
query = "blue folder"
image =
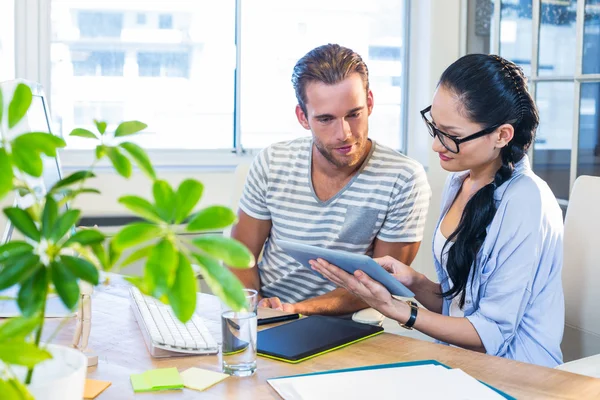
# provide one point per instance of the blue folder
(394, 365)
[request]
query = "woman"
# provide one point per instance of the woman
(498, 244)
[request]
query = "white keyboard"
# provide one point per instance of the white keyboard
(164, 334)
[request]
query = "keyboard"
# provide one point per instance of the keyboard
(164, 334)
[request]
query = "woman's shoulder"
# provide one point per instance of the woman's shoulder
(528, 192)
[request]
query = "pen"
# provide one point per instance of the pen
(280, 318)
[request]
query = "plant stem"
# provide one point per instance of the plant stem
(38, 334)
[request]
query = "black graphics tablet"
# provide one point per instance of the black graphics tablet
(311, 336)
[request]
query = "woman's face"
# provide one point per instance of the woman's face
(448, 116)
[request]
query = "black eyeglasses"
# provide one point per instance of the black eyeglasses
(450, 142)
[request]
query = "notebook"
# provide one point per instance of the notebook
(311, 336)
(411, 379)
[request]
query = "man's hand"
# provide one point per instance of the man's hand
(276, 304)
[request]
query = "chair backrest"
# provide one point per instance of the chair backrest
(581, 270)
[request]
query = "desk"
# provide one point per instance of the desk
(117, 339)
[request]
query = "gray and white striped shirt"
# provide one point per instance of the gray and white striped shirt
(387, 199)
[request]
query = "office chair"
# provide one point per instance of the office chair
(367, 316)
(581, 278)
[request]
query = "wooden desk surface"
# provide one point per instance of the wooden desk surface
(117, 340)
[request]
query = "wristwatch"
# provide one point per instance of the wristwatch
(414, 308)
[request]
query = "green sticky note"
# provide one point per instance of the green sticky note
(157, 379)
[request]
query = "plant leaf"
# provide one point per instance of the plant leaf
(6, 170)
(12, 389)
(134, 234)
(161, 268)
(86, 237)
(113, 254)
(13, 249)
(65, 283)
(164, 197)
(73, 178)
(144, 252)
(222, 282)
(81, 268)
(19, 352)
(64, 223)
(101, 126)
(230, 251)
(49, 216)
(182, 295)
(141, 207)
(212, 218)
(23, 222)
(18, 327)
(19, 104)
(32, 293)
(84, 133)
(188, 194)
(27, 160)
(119, 161)
(40, 142)
(140, 157)
(100, 253)
(129, 128)
(100, 151)
(22, 269)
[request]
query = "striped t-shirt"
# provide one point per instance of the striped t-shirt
(386, 199)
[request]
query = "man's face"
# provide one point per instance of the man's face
(338, 116)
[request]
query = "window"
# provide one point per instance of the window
(99, 24)
(163, 64)
(374, 29)
(7, 40)
(179, 81)
(560, 72)
(176, 67)
(165, 21)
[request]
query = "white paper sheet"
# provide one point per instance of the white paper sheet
(422, 381)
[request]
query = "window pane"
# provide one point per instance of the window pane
(515, 32)
(588, 156)
(168, 63)
(557, 35)
(7, 40)
(552, 148)
(591, 38)
(373, 29)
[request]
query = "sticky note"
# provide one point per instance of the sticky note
(200, 379)
(93, 388)
(157, 379)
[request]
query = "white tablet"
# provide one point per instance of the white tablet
(347, 261)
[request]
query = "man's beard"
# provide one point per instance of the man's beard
(348, 162)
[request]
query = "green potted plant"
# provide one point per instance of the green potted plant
(51, 260)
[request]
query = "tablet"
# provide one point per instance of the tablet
(311, 336)
(347, 261)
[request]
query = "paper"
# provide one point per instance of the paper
(410, 381)
(93, 388)
(200, 379)
(157, 379)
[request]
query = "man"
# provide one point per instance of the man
(336, 189)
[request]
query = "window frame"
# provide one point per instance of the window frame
(578, 78)
(33, 34)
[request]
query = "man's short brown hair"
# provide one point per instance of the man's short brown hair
(329, 64)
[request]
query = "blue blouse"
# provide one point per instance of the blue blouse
(515, 298)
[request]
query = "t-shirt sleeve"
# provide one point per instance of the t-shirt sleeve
(254, 197)
(405, 220)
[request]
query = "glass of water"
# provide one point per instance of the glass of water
(238, 350)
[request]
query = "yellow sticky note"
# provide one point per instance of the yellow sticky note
(93, 388)
(200, 379)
